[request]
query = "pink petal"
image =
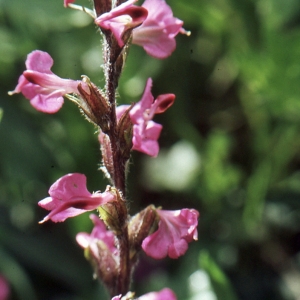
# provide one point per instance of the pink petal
(145, 131)
(137, 112)
(50, 104)
(145, 140)
(164, 294)
(175, 230)
(44, 89)
(69, 186)
(39, 61)
(22, 81)
(52, 82)
(66, 2)
(69, 197)
(99, 232)
(163, 102)
(157, 33)
(120, 110)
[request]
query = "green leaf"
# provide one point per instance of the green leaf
(18, 278)
(221, 284)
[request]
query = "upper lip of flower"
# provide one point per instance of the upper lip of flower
(123, 17)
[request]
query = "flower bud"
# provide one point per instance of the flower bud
(125, 133)
(95, 106)
(140, 226)
(107, 156)
(114, 215)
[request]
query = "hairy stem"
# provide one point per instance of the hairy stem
(124, 275)
(121, 286)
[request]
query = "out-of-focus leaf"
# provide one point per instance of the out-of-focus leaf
(219, 280)
(17, 277)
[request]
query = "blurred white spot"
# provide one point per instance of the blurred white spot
(199, 281)
(92, 60)
(205, 295)
(173, 169)
(134, 87)
(200, 286)
(79, 19)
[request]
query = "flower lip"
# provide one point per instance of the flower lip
(69, 197)
(157, 33)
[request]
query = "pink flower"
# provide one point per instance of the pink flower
(121, 18)
(41, 86)
(164, 294)
(100, 250)
(99, 232)
(145, 131)
(69, 197)
(175, 230)
(157, 33)
(4, 289)
(66, 2)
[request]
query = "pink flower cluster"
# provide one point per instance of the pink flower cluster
(154, 27)
(45, 90)
(69, 197)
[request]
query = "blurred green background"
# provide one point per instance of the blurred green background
(230, 148)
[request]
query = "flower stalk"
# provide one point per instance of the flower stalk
(117, 239)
